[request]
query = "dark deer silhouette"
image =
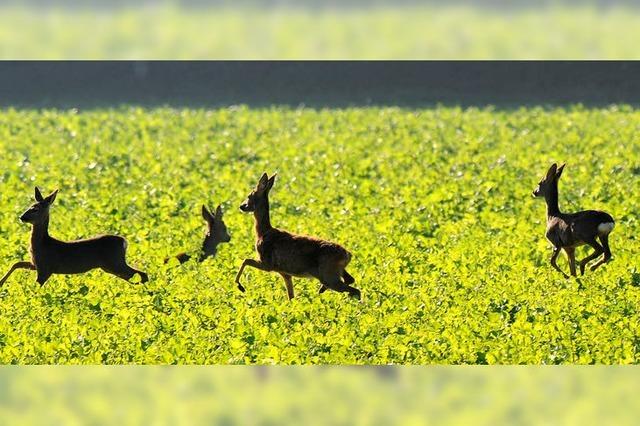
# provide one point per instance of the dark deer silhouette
(51, 256)
(569, 230)
(294, 255)
(216, 233)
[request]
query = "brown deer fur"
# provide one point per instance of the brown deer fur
(294, 255)
(569, 230)
(51, 256)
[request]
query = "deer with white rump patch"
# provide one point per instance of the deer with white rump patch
(51, 256)
(294, 255)
(569, 230)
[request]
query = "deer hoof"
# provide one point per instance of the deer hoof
(241, 288)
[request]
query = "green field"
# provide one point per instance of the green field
(383, 32)
(435, 205)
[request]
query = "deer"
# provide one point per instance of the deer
(293, 255)
(51, 256)
(566, 231)
(215, 234)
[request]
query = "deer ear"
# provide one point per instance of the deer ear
(263, 181)
(559, 171)
(52, 197)
(552, 171)
(219, 212)
(271, 181)
(38, 195)
(206, 214)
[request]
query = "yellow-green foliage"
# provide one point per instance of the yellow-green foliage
(434, 204)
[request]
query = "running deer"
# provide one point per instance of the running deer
(216, 233)
(50, 256)
(293, 255)
(569, 230)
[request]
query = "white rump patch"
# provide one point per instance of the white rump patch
(605, 228)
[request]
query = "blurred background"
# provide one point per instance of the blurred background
(316, 29)
(318, 395)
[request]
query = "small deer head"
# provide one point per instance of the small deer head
(216, 230)
(549, 181)
(258, 197)
(39, 211)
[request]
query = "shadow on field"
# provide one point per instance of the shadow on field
(316, 84)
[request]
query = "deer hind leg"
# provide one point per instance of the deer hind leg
(597, 252)
(571, 255)
(331, 277)
(126, 272)
(336, 284)
(119, 267)
(604, 239)
(143, 275)
(346, 277)
(17, 265)
(554, 256)
(288, 282)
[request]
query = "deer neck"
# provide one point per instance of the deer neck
(40, 232)
(204, 253)
(551, 197)
(261, 215)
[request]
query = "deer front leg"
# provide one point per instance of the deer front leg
(17, 265)
(556, 251)
(571, 254)
(249, 262)
(288, 282)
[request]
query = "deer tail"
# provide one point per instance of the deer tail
(605, 228)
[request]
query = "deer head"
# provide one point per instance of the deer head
(259, 196)
(39, 211)
(216, 230)
(549, 181)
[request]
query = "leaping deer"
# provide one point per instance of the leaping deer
(51, 256)
(294, 255)
(569, 230)
(216, 233)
